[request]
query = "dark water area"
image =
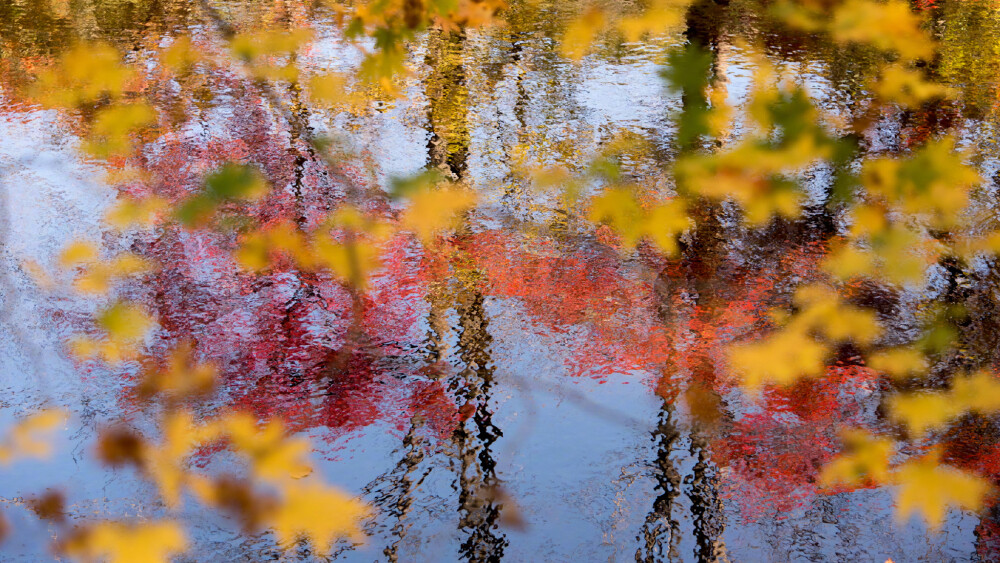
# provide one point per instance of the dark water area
(530, 391)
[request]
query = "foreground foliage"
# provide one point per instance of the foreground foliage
(906, 214)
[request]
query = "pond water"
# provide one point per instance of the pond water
(533, 393)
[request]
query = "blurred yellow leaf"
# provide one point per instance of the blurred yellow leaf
(864, 457)
(907, 87)
(118, 542)
(317, 513)
(848, 261)
(85, 73)
(328, 89)
(129, 212)
(782, 358)
(180, 55)
(661, 17)
(112, 127)
(921, 411)
(273, 455)
(434, 210)
(124, 322)
(898, 362)
(929, 488)
(30, 437)
(890, 26)
(661, 223)
(352, 262)
(78, 252)
(580, 34)
(183, 376)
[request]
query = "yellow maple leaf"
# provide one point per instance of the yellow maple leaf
(273, 455)
(120, 542)
(182, 376)
(849, 261)
(978, 393)
(929, 488)
(890, 26)
(130, 212)
(97, 278)
(164, 463)
(317, 513)
(661, 17)
(432, 211)
(78, 252)
(661, 224)
(898, 362)
(30, 438)
(782, 358)
(580, 34)
(350, 261)
(922, 411)
(124, 322)
(864, 457)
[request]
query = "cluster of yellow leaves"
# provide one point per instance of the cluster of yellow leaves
(268, 52)
(932, 184)
(890, 26)
(929, 488)
(753, 175)
(399, 17)
(800, 348)
(661, 223)
(29, 437)
(433, 210)
(122, 329)
(351, 258)
(924, 485)
(95, 275)
(306, 509)
(921, 411)
(130, 212)
(931, 190)
(353, 254)
(660, 17)
(292, 505)
(92, 75)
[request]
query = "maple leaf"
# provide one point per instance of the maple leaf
(133, 212)
(317, 513)
(120, 542)
(78, 252)
(434, 210)
(29, 437)
(272, 454)
(864, 457)
(164, 463)
(929, 488)
(782, 358)
(923, 411)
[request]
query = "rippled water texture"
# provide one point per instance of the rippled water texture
(531, 396)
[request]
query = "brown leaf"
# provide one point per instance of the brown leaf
(120, 446)
(49, 506)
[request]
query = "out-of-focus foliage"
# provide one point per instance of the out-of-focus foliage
(907, 213)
